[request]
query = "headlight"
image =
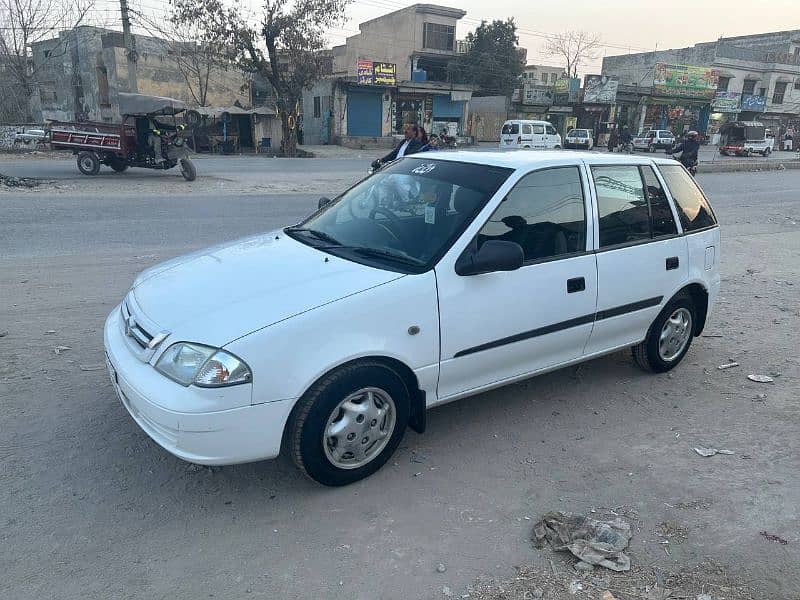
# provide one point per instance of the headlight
(202, 366)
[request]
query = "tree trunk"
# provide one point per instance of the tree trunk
(289, 125)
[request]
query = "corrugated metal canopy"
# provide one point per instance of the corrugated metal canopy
(142, 104)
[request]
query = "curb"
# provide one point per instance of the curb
(735, 167)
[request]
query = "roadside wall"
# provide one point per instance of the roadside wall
(486, 118)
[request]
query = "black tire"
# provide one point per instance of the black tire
(309, 418)
(118, 165)
(188, 169)
(767, 151)
(647, 355)
(88, 163)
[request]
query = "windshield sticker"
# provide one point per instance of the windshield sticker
(430, 214)
(424, 169)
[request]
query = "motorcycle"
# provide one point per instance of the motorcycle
(691, 166)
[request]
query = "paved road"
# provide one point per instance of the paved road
(91, 508)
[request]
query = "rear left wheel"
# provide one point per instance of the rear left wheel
(88, 163)
(348, 424)
(669, 337)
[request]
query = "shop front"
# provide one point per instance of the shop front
(437, 107)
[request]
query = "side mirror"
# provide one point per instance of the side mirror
(493, 255)
(323, 202)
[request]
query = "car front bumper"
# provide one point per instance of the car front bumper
(165, 410)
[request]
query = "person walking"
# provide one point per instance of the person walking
(410, 145)
(613, 140)
(788, 140)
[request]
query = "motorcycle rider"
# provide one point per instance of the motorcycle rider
(625, 140)
(689, 149)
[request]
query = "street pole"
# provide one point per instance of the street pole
(130, 46)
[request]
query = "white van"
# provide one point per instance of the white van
(536, 135)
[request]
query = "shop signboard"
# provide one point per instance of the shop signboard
(540, 95)
(753, 103)
(385, 73)
(600, 89)
(685, 81)
(376, 73)
(366, 74)
(566, 90)
(561, 86)
(725, 102)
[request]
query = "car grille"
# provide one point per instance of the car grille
(133, 328)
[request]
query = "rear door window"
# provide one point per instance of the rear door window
(662, 221)
(526, 130)
(622, 205)
(538, 129)
(693, 209)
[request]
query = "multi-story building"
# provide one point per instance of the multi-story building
(81, 72)
(542, 75)
(758, 78)
(394, 72)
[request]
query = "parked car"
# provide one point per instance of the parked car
(744, 138)
(535, 135)
(654, 139)
(30, 137)
(579, 139)
(441, 276)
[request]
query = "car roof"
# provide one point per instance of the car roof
(528, 159)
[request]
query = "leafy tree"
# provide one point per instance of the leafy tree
(574, 48)
(494, 60)
(284, 46)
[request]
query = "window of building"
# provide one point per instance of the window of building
(779, 92)
(661, 220)
(797, 84)
(47, 91)
(693, 208)
(749, 86)
(544, 214)
(723, 84)
(317, 107)
(622, 206)
(762, 91)
(438, 37)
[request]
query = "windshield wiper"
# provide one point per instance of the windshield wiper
(387, 254)
(320, 235)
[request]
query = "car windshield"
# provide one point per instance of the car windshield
(404, 217)
(510, 129)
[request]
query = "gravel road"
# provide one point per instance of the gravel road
(91, 508)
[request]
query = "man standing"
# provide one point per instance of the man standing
(410, 145)
(788, 140)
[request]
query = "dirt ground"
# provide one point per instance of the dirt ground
(91, 508)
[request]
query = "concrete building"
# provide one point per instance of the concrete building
(759, 78)
(542, 74)
(81, 72)
(393, 73)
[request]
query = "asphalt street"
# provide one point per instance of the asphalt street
(91, 508)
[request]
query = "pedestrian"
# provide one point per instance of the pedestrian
(788, 140)
(409, 145)
(626, 140)
(427, 144)
(613, 140)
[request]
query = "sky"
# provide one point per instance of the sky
(626, 25)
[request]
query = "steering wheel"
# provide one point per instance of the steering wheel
(389, 215)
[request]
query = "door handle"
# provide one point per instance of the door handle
(672, 263)
(576, 284)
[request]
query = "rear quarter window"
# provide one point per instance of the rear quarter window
(693, 209)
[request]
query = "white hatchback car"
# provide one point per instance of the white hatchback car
(440, 276)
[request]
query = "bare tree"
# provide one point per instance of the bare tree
(25, 22)
(574, 48)
(284, 46)
(196, 55)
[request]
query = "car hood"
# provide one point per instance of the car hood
(220, 294)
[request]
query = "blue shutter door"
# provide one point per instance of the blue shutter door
(364, 110)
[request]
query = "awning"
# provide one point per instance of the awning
(142, 104)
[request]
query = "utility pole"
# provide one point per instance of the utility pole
(130, 46)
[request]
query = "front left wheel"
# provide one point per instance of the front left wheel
(188, 169)
(349, 423)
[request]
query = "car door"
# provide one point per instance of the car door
(539, 136)
(527, 135)
(553, 139)
(641, 258)
(499, 326)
